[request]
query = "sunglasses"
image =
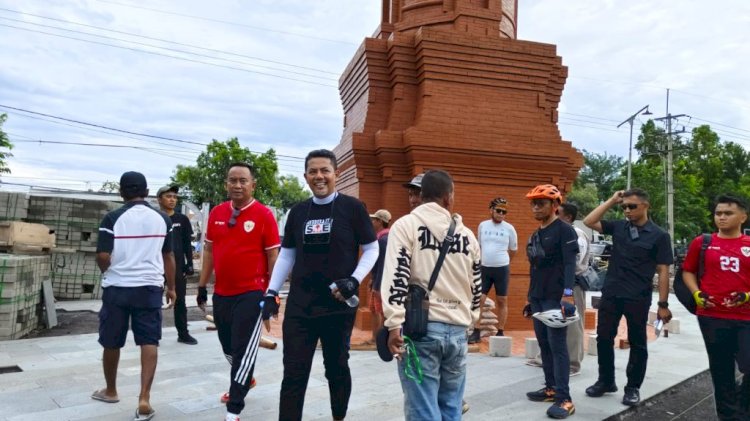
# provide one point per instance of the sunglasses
(501, 211)
(233, 219)
(631, 206)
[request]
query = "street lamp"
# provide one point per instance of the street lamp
(630, 146)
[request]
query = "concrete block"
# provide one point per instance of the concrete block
(532, 348)
(500, 346)
(673, 326)
(592, 350)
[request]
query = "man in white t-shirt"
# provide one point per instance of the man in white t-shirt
(499, 243)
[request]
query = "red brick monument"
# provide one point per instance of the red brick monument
(446, 84)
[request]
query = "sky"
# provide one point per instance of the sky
(266, 71)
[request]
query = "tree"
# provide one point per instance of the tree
(110, 187)
(206, 180)
(291, 192)
(4, 144)
(603, 171)
(585, 197)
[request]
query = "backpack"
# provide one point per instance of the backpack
(680, 289)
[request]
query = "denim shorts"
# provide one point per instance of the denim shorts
(120, 305)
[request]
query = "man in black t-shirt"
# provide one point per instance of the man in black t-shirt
(552, 251)
(639, 249)
(322, 239)
(182, 231)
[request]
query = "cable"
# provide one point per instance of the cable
(591, 116)
(125, 131)
(589, 127)
(588, 121)
(720, 124)
(168, 49)
(169, 56)
(168, 41)
(226, 22)
(100, 126)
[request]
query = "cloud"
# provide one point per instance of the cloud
(621, 56)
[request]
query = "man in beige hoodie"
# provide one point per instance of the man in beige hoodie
(414, 244)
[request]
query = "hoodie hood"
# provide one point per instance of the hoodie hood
(437, 219)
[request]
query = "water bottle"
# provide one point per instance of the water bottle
(352, 301)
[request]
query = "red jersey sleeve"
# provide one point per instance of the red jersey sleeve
(270, 232)
(694, 251)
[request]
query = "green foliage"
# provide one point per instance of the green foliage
(205, 181)
(603, 171)
(703, 168)
(291, 192)
(110, 187)
(4, 144)
(585, 197)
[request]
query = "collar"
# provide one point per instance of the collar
(381, 233)
(231, 205)
(325, 200)
(648, 226)
(132, 203)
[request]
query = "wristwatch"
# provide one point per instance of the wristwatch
(663, 304)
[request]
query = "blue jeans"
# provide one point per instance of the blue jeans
(442, 354)
(554, 349)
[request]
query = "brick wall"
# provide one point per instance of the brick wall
(441, 90)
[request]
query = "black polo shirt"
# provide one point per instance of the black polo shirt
(633, 262)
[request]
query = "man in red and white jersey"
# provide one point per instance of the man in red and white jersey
(723, 299)
(242, 243)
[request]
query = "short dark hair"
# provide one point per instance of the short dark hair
(436, 184)
(639, 193)
(242, 164)
(133, 194)
(385, 224)
(570, 210)
(322, 153)
(729, 199)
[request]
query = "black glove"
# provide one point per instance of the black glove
(189, 271)
(271, 303)
(527, 311)
(347, 286)
(202, 297)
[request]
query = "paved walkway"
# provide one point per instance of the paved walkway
(60, 373)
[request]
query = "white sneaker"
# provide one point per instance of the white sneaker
(232, 417)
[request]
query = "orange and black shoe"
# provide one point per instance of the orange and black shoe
(545, 394)
(225, 397)
(561, 410)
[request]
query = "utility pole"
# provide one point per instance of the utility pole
(669, 188)
(630, 119)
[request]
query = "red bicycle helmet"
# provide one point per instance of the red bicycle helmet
(545, 191)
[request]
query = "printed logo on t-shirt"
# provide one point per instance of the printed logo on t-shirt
(745, 251)
(318, 226)
(249, 225)
(219, 222)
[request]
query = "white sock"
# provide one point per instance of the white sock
(232, 417)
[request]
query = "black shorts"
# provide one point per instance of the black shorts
(497, 276)
(120, 305)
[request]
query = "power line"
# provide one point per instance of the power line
(587, 121)
(590, 116)
(244, 25)
(589, 127)
(100, 126)
(168, 55)
(167, 49)
(170, 42)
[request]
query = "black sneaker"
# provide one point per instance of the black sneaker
(500, 333)
(632, 396)
(561, 410)
(545, 394)
(475, 336)
(187, 339)
(600, 388)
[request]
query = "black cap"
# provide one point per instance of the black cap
(162, 190)
(133, 182)
(415, 182)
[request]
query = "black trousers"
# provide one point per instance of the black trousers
(238, 324)
(611, 310)
(727, 342)
(180, 309)
(301, 336)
